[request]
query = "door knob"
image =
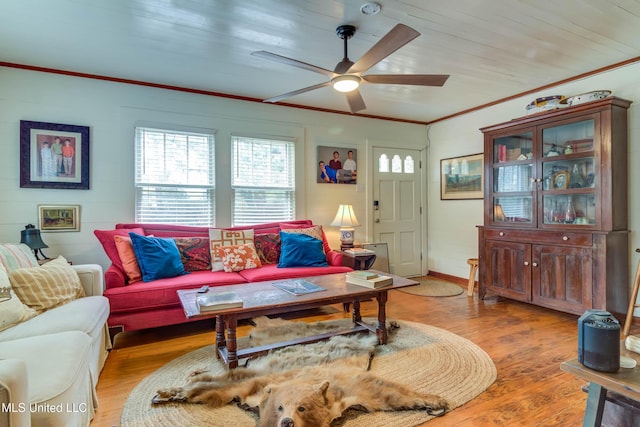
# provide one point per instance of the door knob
(526, 263)
(535, 264)
(377, 219)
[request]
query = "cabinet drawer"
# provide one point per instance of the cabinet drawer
(540, 237)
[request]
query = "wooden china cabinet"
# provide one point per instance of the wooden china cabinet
(555, 208)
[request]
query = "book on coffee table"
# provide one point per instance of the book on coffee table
(368, 279)
(212, 301)
(298, 286)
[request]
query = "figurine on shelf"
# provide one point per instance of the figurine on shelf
(553, 151)
(568, 149)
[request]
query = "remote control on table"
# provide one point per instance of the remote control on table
(203, 290)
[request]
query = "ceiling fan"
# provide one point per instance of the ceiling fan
(347, 75)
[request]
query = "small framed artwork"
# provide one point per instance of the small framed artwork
(560, 180)
(337, 165)
(54, 155)
(462, 177)
(59, 217)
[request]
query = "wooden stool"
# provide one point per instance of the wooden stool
(473, 262)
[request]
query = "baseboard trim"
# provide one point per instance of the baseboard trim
(448, 277)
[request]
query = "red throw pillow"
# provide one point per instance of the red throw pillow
(195, 253)
(106, 237)
(268, 247)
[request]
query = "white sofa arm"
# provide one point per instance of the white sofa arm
(91, 277)
(14, 394)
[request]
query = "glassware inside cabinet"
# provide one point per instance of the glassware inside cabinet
(568, 139)
(568, 173)
(576, 209)
(512, 209)
(513, 147)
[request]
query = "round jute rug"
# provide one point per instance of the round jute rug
(430, 287)
(419, 356)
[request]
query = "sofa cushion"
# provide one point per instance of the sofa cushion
(221, 237)
(12, 310)
(158, 257)
(301, 250)
(268, 247)
(58, 375)
(273, 272)
(161, 293)
(194, 252)
(87, 315)
(128, 258)
(239, 257)
(47, 286)
(14, 256)
(106, 238)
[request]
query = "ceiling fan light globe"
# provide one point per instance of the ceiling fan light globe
(345, 83)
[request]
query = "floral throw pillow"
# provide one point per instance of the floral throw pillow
(220, 237)
(195, 253)
(238, 257)
(268, 247)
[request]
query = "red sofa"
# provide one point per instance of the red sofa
(143, 305)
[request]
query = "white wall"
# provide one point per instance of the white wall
(112, 109)
(452, 224)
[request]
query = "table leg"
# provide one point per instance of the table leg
(381, 330)
(220, 338)
(232, 344)
(595, 405)
(355, 315)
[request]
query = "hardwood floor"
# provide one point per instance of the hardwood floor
(527, 344)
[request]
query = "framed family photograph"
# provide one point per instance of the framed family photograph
(59, 217)
(462, 177)
(54, 155)
(337, 165)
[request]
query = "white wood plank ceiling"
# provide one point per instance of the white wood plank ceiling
(492, 49)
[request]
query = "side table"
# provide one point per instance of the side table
(358, 262)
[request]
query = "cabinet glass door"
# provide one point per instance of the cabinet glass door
(569, 178)
(512, 176)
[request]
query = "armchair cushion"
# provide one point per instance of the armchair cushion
(47, 286)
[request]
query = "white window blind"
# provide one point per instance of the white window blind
(174, 177)
(263, 180)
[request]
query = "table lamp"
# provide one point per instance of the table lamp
(30, 236)
(346, 220)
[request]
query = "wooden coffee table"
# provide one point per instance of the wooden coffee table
(262, 299)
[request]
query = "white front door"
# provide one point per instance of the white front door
(397, 211)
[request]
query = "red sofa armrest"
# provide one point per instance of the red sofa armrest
(334, 258)
(114, 278)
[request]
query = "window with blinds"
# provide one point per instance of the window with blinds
(174, 177)
(263, 180)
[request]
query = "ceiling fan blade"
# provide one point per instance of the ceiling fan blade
(296, 92)
(389, 43)
(407, 79)
(284, 60)
(356, 103)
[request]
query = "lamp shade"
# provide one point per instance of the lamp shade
(345, 217)
(31, 237)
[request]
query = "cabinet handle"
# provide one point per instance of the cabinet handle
(501, 233)
(565, 238)
(526, 263)
(535, 264)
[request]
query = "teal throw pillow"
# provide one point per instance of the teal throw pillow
(301, 250)
(158, 258)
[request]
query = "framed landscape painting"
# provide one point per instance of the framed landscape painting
(54, 155)
(462, 177)
(59, 217)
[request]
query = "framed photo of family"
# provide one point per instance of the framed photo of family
(54, 155)
(337, 165)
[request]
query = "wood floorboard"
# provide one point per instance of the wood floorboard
(527, 344)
